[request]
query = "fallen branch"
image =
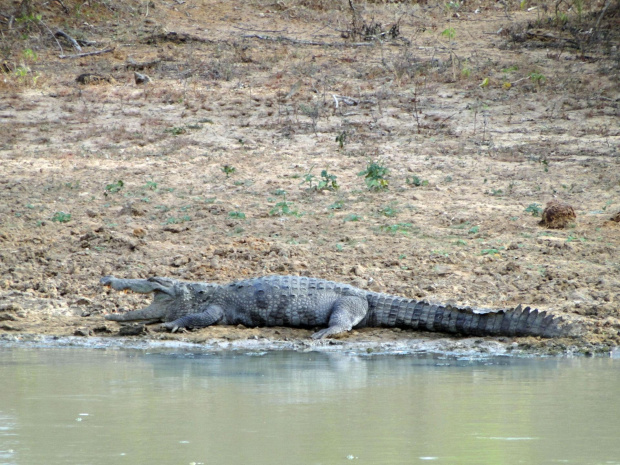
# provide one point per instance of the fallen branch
(259, 30)
(598, 21)
(307, 42)
(178, 37)
(87, 54)
(72, 41)
(344, 99)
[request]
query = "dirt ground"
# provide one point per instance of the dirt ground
(213, 170)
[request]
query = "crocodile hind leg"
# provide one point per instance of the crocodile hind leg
(346, 313)
(211, 315)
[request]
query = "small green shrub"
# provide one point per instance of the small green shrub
(341, 139)
(175, 131)
(228, 170)
(61, 217)
(395, 228)
(151, 185)
(284, 208)
(375, 176)
(352, 217)
(416, 181)
(114, 187)
(174, 220)
(337, 205)
(389, 211)
(534, 209)
(327, 181)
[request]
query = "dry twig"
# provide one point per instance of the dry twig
(87, 54)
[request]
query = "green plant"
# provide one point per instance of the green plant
(460, 242)
(537, 78)
(176, 131)
(173, 220)
(545, 163)
(389, 211)
(352, 217)
(337, 205)
(341, 139)
(237, 215)
(228, 170)
(534, 209)
(449, 33)
(416, 181)
(395, 228)
(327, 181)
(375, 176)
(29, 55)
(283, 208)
(489, 252)
(474, 230)
(114, 187)
(571, 237)
(61, 217)
(151, 185)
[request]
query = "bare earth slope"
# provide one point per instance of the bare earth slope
(211, 171)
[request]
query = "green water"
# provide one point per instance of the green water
(85, 406)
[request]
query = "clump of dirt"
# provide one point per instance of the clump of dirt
(557, 215)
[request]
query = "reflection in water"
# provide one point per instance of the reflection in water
(63, 406)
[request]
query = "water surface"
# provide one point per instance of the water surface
(80, 406)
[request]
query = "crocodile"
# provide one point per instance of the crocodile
(304, 302)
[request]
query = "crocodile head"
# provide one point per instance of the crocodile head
(171, 298)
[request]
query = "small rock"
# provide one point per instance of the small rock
(103, 329)
(133, 210)
(133, 330)
(93, 78)
(11, 306)
(141, 78)
(173, 228)
(358, 270)
(84, 332)
(441, 270)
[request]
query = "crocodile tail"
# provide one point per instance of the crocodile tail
(389, 311)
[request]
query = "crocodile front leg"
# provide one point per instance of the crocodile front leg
(346, 313)
(211, 315)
